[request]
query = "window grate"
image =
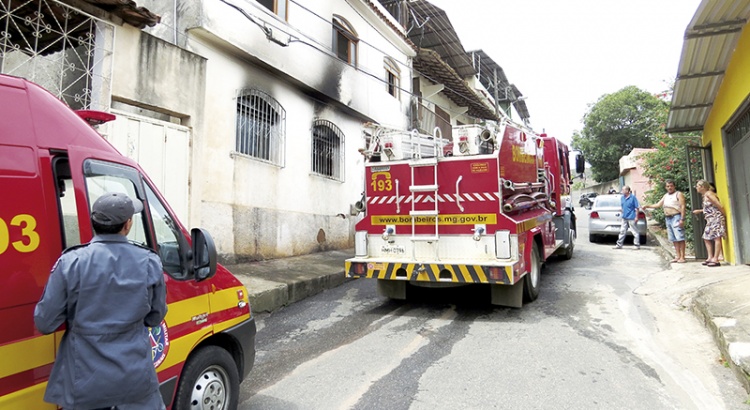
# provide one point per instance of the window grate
(739, 129)
(61, 48)
(327, 150)
(261, 124)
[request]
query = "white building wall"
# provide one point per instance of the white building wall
(261, 210)
(257, 210)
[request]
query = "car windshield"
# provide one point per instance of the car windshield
(608, 202)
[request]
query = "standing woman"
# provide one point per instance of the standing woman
(716, 225)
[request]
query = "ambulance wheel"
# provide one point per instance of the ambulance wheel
(531, 280)
(210, 380)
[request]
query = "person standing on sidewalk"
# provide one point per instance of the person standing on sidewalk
(673, 203)
(630, 207)
(107, 292)
(716, 224)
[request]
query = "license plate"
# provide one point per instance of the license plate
(393, 249)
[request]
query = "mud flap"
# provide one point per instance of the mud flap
(393, 289)
(508, 295)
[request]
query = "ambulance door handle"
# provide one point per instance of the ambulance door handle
(458, 194)
(398, 200)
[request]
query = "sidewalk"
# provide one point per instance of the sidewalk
(719, 296)
(274, 283)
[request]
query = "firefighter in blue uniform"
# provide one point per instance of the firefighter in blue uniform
(108, 292)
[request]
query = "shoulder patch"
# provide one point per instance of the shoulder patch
(142, 246)
(74, 247)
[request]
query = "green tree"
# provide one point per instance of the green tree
(670, 162)
(617, 123)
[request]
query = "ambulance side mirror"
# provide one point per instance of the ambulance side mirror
(204, 254)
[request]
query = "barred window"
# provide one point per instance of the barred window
(345, 40)
(392, 77)
(327, 150)
(261, 124)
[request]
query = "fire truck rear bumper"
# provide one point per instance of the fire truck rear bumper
(500, 272)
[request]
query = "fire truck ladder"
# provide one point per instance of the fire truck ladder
(431, 189)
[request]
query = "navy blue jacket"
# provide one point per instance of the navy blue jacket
(108, 292)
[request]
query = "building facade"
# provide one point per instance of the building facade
(246, 114)
(249, 115)
(712, 95)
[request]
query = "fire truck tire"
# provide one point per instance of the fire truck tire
(210, 380)
(531, 280)
(568, 255)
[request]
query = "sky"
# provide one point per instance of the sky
(563, 55)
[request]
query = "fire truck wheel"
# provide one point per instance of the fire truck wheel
(210, 380)
(531, 280)
(568, 255)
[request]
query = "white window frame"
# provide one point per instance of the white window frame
(343, 30)
(392, 78)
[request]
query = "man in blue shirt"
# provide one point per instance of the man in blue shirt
(630, 206)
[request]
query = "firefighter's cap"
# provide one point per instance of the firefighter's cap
(114, 208)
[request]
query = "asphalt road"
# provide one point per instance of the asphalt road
(593, 340)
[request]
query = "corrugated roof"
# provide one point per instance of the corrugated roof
(493, 78)
(710, 39)
(429, 27)
(434, 68)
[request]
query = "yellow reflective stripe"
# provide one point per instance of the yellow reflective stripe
(27, 354)
(184, 310)
(480, 274)
(29, 398)
(220, 327)
(226, 298)
(465, 273)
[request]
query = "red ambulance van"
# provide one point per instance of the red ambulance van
(53, 166)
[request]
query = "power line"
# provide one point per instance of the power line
(297, 37)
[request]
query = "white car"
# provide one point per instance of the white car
(606, 217)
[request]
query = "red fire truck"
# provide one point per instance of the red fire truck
(484, 208)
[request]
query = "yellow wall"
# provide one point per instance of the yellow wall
(733, 91)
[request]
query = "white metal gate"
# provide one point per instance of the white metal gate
(162, 149)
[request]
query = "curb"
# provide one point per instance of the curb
(275, 283)
(267, 296)
(728, 337)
